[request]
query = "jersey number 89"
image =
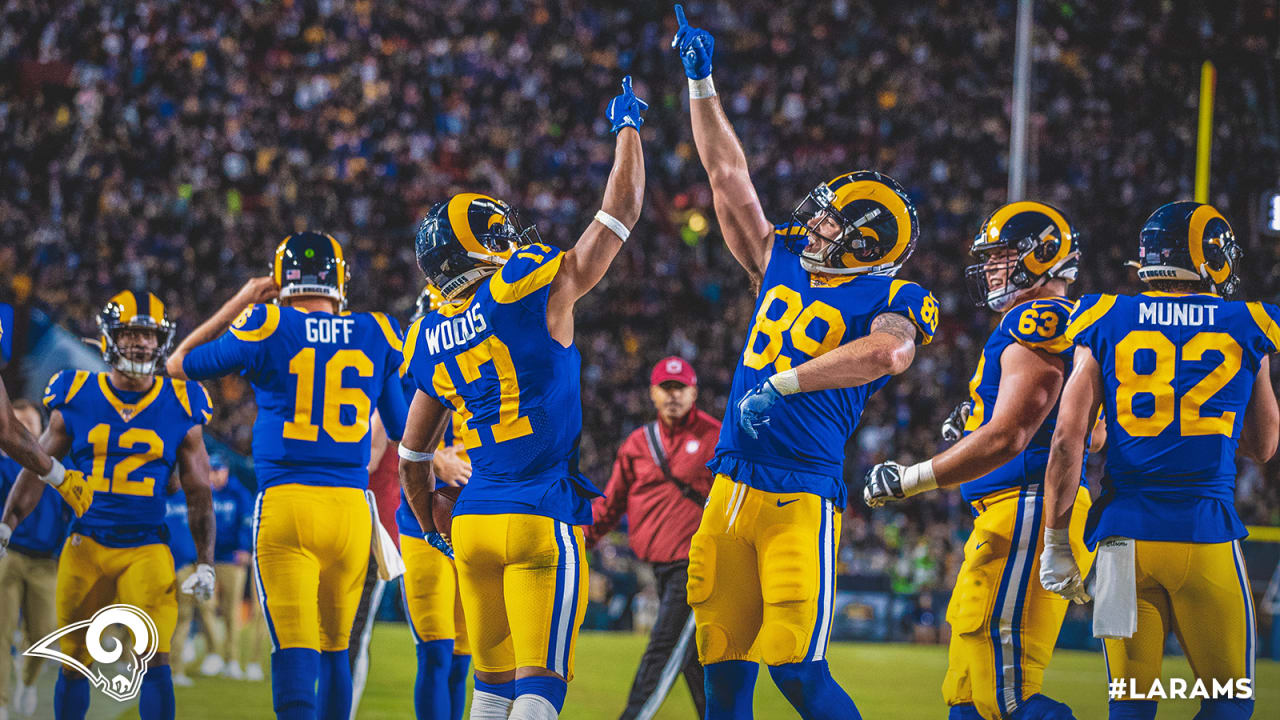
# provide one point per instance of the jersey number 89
(795, 319)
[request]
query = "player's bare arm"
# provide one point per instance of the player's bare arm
(193, 474)
(424, 427)
(17, 442)
(256, 290)
(1261, 430)
(888, 349)
(746, 231)
(1077, 410)
(584, 265)
(54, 442)
(378, 440)
(1029, 384)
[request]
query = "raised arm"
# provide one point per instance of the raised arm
(584, 265)
(1261, 428)
(746, 231)
(256, 290)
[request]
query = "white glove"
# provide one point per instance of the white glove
(1059, 572)
(201, 583)
(5, 533)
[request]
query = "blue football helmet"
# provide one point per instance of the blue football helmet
(1043, 245)
(311, 264)
(466, 239)
(1189, 241)
(875, 226)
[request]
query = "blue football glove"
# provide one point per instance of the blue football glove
(694, 45)
(754, 408)
(625, 110)
(437, 541)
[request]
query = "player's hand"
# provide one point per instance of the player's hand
(75, 490)
(256, 291)
(884, 484)
(1059, 572)
(5, 533)
(953, 426)
(626, 110)
(450, 467)
(754, 408)
(695, 46)
(437, 541)
(201, 583)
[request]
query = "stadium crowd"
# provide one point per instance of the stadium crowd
(169, 146)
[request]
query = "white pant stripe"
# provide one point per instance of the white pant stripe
(563, 633)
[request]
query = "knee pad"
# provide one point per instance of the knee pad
(713, 642)
(1042, 707)
(1225, 709)
(1132, 710)
(963, 712)
(781, 643)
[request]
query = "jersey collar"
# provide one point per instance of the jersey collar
(129, 411)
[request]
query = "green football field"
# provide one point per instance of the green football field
(887, 681)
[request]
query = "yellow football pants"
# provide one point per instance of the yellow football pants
(93, 576)
(311, 549)
(27, 584)
(1004, 624)
(1201, 592)
(524, 590)
(432, 601)
(762, 575)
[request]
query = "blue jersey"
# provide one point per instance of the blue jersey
(232, 518)
(42, 532)
(181, 544)
(514, 389)
(1178, 371)
(316, 377)
(126, 444)
(1039, 325)
(800, 316)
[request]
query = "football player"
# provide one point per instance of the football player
(831, 325)
(432, 598)
(500, 355)
(1004, 625)
(128, 430)
(1183, 377)
(19, 444)
(317, 372)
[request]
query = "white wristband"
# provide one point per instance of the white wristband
(703, 88)
(786, 382)
(613, 224)
(919, 478)
(1057, 536)
(54, 476)
(414, 455)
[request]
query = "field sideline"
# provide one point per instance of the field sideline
(887, 681)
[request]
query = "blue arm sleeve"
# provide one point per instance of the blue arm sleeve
(237, 349)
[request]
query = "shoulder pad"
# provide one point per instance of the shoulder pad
(194, 399)
(917, 304)
(390, 330)
(1039, 324)
(530, 269)
(63, 386)
(1089, 309)
(1267, 317)
(256, 323)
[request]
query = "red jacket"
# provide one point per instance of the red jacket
(384, 481)
(662, 519)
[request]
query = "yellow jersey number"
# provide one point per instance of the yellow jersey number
(511, 424)
(1159, 383)
(120, 482)
(1043, 323)
(303, 366)
(795, 319)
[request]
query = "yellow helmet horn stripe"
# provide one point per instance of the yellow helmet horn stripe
(1199, 221)
(461, 224)
(277, 266)
(883, 194)
(1064, 231)
(156, 308)
(342, 265)
(128, 303)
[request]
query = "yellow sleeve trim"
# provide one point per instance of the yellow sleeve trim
(269, 326)
(1090, 316)
(1265, 323)
(410, 345)
(180, 389)
(388, 332)
(507, 293)
(1053, 345)
(82, 376)
(894, 287)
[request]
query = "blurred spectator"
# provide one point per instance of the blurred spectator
(220, 617)
(660, 481)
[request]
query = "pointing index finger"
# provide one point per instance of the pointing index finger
(626, 85)
(680, 18)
